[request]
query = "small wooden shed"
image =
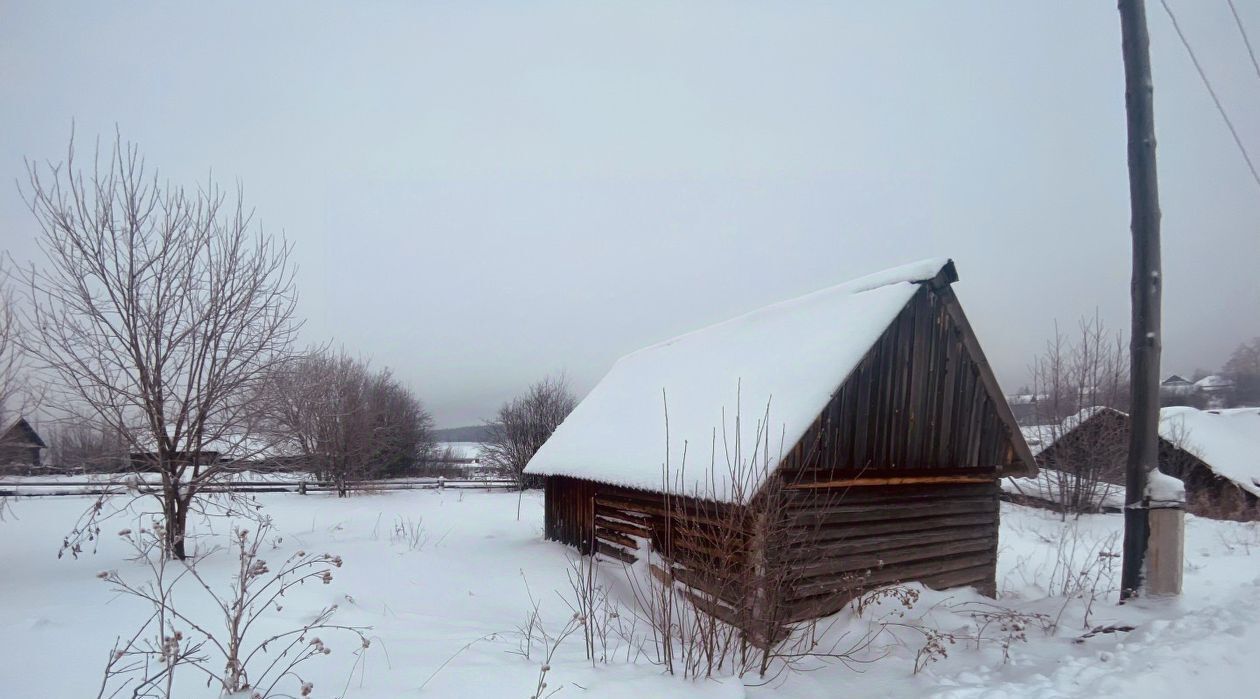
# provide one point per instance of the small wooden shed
(20, 445)
(848, 439)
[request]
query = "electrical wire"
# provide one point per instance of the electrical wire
(1212, 91)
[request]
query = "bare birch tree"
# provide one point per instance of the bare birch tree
(524, 424)
(157, 308)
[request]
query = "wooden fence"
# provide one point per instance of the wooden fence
(86, 487)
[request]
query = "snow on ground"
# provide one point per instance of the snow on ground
(429, 604)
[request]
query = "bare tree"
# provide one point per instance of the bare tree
(158, 309)
(85, 448)
(1243, 368)
(17, 393)
(1076, 380)
(345, 421)
(524, 424)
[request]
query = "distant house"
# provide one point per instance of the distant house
(868, 409)
(1176, 385)
(1215, 452)
(1217, 390)
(20, 445)
(1024, 406)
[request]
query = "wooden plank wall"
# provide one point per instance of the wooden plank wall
(837, 542)
(916, 401)
(692, 535)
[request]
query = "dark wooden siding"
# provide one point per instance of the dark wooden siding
(918, 400)
(838, 542)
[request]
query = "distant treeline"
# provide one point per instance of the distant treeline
(469, 433)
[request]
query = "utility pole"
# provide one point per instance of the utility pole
(1144, 343)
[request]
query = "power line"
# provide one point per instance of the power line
(1211, 91)
(1242, 30)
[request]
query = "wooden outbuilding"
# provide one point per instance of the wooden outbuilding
(1216, 453)
(20, 445)
(797, 455)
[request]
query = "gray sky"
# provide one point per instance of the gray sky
(483, 193)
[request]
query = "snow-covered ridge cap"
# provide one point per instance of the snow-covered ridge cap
(914, 272)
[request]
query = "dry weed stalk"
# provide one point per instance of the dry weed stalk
(170, 638)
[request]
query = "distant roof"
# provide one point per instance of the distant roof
(777, 366)
(20, 432)
(1228, 441)
(1175, 379)
(1042, 437)
(1214, 381)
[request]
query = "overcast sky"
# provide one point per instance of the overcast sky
(484, 193)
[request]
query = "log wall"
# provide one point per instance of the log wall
(838, 542)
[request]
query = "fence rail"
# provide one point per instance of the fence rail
(71, 488)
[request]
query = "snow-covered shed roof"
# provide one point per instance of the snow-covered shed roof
(1228, 441)
(775, 368)
(1042, 437)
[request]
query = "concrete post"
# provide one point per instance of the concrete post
(1165, 549)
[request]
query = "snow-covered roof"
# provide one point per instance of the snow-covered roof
(777, 366)
(1214, 381)
(1228, 441)
(1042, 437)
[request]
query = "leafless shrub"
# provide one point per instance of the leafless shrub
(524, 424)
(906, 595)
(147, 663)
(1243, 369)
(410, 533)
(1075, 382)
(16, 391)
(709, 593)
(157, 310)
(85, 448)
(1244, 537)
(1082, 568)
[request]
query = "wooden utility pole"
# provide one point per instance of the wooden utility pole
(1144, 344)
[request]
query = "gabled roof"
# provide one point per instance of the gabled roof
(1227, 441)
(1042, 437)
(1175, 380)
(1214, 381)
(21, 432)
(758, 380)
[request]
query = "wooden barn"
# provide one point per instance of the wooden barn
(798, 454)
(1216, 453)
(20, 445)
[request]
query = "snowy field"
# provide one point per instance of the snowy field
(441, 579)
